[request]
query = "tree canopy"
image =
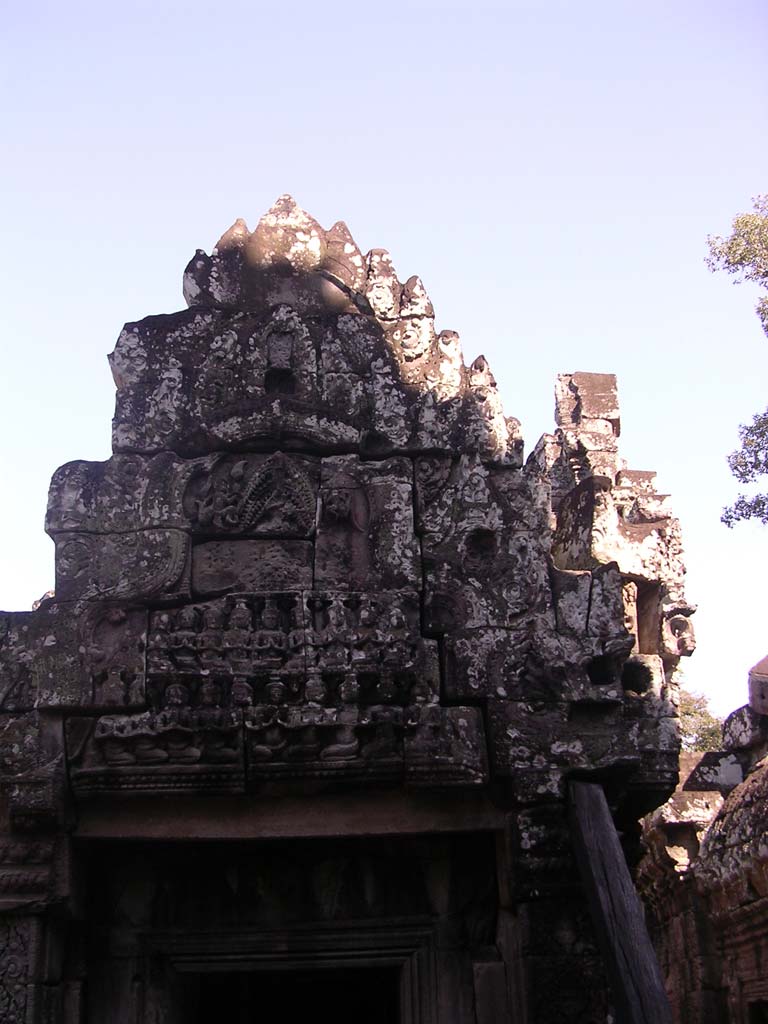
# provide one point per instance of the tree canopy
(744, 253)
(699, 728)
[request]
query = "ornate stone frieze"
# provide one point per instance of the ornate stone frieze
(316, 564)
(251, 495)
(316, 541)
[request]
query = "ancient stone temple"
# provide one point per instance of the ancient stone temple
(705, 875)
(298, 731)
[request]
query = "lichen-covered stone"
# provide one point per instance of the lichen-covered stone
(365, 534)
(137, 565)
(309, 487)
(68, 655)
(316, 567)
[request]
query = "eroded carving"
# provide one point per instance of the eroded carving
(316, 562)
(273, 496)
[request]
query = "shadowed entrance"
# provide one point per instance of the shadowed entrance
(346, 996)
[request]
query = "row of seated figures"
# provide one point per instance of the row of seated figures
(388, 612)
(364, 683)
(189, 730)
(257, 638)
(212, 636)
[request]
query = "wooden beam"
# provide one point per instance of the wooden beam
(633, 970)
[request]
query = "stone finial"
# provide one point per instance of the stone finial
(286, 235)
(292, 330)
(247, 268)
(758, 687)
(233, 238)
(343, 258)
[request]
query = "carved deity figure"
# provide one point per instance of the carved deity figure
(269, 641)
(267, 725)
(330, 639)
(146, 747)
(114, 736)
(629, 599)
(185, 639)
(241, 693)
(345, 529)
(240, 620)
(212, 637)
(380, 723)
(112, 689)
(280, 377)
(238, 637)
(294, 672)
(176, 725)
(302, 723)
(345, 744)
(159, 648)
(218, 727)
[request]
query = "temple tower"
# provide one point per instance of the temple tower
(323, 657)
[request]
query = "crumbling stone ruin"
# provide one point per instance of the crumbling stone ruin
(705, 876)
(324, 662)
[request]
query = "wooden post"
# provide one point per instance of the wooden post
(633, 970)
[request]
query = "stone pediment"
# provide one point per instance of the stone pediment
(293, 336)
(315, 592)
(316, 553)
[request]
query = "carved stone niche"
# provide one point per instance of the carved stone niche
(365, 536)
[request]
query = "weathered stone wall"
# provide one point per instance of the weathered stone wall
(705, 876)
(316, 563)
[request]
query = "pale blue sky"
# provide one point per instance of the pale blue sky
(551, 170)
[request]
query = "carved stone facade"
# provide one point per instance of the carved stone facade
(705, 876)
(322, 657)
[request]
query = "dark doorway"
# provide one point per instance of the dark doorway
(346, 996)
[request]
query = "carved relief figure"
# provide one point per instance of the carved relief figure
(346, 520)
(176, 725)
(263, 498)
(345, 743)
(218, 728)
(266, 725)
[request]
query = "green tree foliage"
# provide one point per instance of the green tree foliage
(699, 728)
(747, 464)
(744, 253)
